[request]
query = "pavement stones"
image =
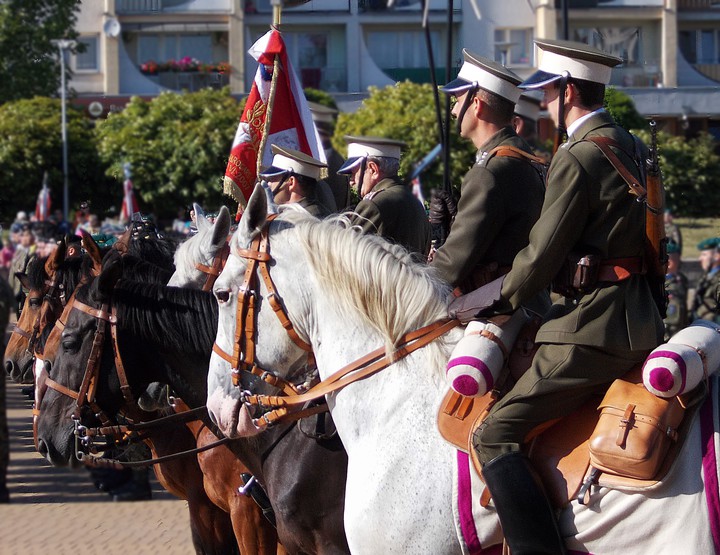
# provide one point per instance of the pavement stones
(59, 511)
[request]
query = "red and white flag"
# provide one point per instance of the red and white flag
(43, 204)
(129, 203)
(291, 124)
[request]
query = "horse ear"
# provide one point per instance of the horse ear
(198, 210)
(23, 279)
(56, 258)
(110, 274)
(221, 228)
(91, 247)
(253, 219)
(122, 245)
(272, 207)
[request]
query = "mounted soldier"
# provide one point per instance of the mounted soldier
(589, 244)
(502, 194)
(293, 177)
(388, 206)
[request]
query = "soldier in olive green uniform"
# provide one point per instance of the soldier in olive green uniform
(705, 304)
(591, 336)
(388, 206)
(676, 285)
(293, 177)
(502, 194)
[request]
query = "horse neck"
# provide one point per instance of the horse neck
(168, 330)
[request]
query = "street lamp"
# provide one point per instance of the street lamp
(63, 45)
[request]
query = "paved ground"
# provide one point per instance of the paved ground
(58, 511)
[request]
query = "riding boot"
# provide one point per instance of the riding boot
(526, 516)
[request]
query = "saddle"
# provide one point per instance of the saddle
(586, 447)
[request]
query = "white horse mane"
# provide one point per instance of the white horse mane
(381, 281)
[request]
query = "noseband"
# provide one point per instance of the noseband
(49, 297)
(243, 356)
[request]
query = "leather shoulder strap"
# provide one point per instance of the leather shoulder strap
(513, 152)
(604, 144)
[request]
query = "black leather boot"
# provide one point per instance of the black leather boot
(526, 516)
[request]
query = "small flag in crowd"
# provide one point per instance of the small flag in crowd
(290, 120)
(43, 204)
(129, 203)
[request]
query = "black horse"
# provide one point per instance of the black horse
(165, 334)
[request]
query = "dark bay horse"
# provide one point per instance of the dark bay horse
(211, 527)
(165, 334)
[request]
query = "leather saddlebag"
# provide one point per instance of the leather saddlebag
(634, 431)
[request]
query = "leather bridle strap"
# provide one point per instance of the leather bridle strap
(362, 368)
(213, 271)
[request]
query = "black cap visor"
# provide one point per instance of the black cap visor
(539, 79)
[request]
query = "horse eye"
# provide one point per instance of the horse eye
(222, 295)
(35, 302)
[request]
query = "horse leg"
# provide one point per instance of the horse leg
(211, 527)
(222, 477)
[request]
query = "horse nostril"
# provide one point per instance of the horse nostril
(9, 366)
(48, 366)
(222, 295)
(42, 448)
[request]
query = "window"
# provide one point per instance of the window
(88, 60)
(513, 47)
(165, 47)
(401, 49)
(701, 46)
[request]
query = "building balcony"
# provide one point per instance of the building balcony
(142, 7)
(316, 6)
(189, 81)
(698, 4)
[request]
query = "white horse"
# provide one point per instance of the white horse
(347, 294)
(201, 249)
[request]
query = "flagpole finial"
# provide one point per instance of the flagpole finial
(277, 12)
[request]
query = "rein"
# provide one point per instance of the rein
(213, 270)
(287, 407)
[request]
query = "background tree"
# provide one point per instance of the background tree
(622, 108)
(691, 173)
(406, 111)
(31, 143)
(29, 63)
(177, 145)
(320, 97)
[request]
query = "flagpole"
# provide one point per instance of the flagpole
(277, 16)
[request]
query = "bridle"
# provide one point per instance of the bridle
(50, 296)
(215, 268)
(243, 358)
(85, 396)
(296, 402)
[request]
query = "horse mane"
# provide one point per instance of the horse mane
(70, 271)
(176, 318)
(137, 269)
(155, 250)
(381, 281)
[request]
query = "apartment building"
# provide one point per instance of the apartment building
(141, 47)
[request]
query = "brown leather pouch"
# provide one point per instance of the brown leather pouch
(634, 431)
(578, 275)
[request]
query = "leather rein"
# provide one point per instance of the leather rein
(296, 402)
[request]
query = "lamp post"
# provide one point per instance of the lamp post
(63, 45)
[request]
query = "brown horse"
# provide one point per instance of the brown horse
(213, 530)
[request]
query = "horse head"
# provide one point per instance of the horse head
(76, 387)
(195, 258)
(271, 347)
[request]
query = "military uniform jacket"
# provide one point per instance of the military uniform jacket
(705, 304)
(313, 205)
(339, 184)
(676, 286)
(392, 211)
(500, 200)
(588, 210)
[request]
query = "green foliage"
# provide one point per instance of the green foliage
(691, 173)
(177, 145)
(29, 63)
(320, 97)
(31, 143)
(622, 109)
(406, 111)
